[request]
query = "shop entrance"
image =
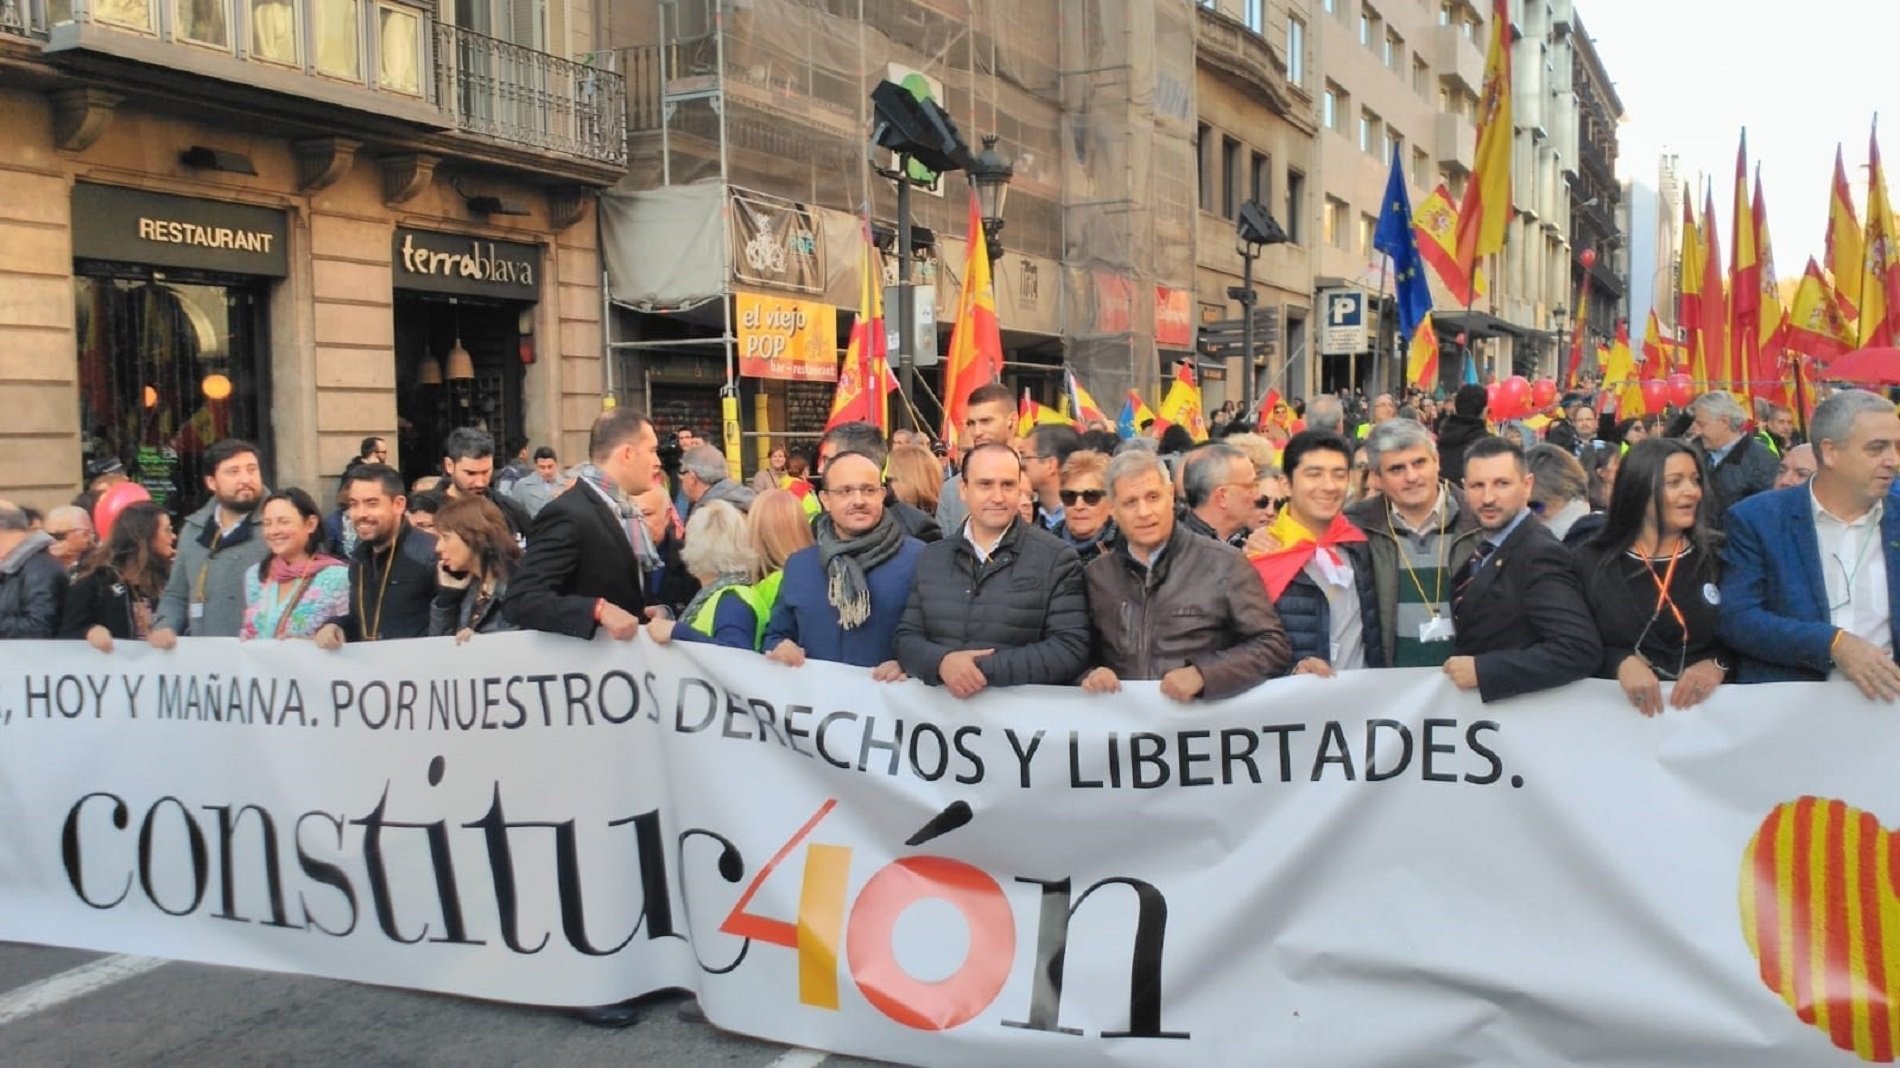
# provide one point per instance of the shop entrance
(458, 363)
(170, 361)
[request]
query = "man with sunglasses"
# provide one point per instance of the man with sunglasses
(1419, 537)
(72, 534)
(999, 603)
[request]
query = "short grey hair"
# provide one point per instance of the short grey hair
(718, 542)
(1138, 444)
(1556, 475)
(71, 515)
(706, 462)
(1721, 406)
(1396, 435)
(1324, 412)
(1834, 417)
(13, 517)
(1205, 469)
(1133, 463)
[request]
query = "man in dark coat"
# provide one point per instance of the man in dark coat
(1522, 622)
(1458, 430)
(580, 573)
(32, 582)
(392, 571)
(1740, 466)
(1000, 602)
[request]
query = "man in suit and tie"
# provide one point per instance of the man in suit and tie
(580, 572)
(1522, 623)
(1812, 572)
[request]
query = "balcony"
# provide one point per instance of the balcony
(1457, 58)
(383, 59)
(1457, 140)
(23, 18)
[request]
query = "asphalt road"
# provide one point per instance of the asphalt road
(68, 1007)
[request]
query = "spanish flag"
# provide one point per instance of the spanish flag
(1421, 355)
(1844, 251)
(1880, 275)
(1435, 223)
(858, 398)
(1689, 300)
(976, 341)
(1032, 413)
(1182, 405)
(1817, 324)
(1487, 206)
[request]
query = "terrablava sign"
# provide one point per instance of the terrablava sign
(466, 265)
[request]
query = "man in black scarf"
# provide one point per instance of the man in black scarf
(842, 598)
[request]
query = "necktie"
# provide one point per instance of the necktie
(1478, 557)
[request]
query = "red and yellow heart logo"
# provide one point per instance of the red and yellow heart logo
(1821, 911)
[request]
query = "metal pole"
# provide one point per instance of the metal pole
(1249, 383)
(906, 306)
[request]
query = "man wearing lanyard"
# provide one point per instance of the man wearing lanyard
(1419, 536)
(204, 597)
(1812, 572)
(392, 571)
(1522, 623)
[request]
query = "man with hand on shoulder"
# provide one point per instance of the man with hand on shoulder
(1517, 605)
(999, 603)
(1812, 573)
(1172, 605)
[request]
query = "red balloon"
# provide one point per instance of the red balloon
(1589, 258)
(1681, 389)
(1515, 395)
(1494, 402)
(117, 498)
(1655, 394)
(1543, 391)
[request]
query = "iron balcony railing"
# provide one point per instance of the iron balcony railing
(510, 93)
(23, 18)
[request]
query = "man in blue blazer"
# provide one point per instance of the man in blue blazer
(1812, 572)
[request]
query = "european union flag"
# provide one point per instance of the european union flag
(1394, 237)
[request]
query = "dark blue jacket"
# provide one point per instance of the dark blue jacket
(735, 625)
(1308, 616)
(803, 615)
(1774, 594)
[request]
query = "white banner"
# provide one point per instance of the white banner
(1372, 869)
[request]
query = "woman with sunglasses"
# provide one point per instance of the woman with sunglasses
(1086, 527)
(1652, 580)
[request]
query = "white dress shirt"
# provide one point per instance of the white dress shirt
(1855, 565)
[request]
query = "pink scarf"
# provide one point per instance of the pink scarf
(287, 572)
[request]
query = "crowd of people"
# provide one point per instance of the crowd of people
(1698, 550)
(1691, 551)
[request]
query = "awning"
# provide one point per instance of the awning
(1478, 325)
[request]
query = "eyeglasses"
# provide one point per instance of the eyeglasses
(845, 493)
(1091, 497)
(1028, 456)
(1275, 503)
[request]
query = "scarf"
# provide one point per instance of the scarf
(1299, 545)
(645, 553)
(846, 564)
(707, 593)
(284, 572)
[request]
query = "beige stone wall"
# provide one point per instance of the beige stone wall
(331, 338)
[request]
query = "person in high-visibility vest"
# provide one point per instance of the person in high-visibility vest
(718, 552)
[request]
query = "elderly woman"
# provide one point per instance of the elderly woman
(298, 587)
(1086, 527)
(718, 552)
(475, 554)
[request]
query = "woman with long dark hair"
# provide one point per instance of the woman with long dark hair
(1651, 576)
(299, 586)
(476, 554)
(121, 580)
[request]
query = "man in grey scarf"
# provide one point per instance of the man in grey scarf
(842, 598)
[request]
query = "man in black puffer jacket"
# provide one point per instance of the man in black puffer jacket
(1000, 602)
(1321, 577)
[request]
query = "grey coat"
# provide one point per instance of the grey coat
(211, 571)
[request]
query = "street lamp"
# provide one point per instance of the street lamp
(989, 175)
(1255, 229)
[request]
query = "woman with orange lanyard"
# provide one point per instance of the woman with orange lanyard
(1652, 582)
(298, 586)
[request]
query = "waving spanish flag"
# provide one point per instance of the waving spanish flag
(1031, 413)
(858, 398)
(1880, 273)
(1082, 407)
(976, 341)
(1817, 325)
(1421, 355)
(1844, 251)
(1487, 205)
(1182, 405)
(1435, 222)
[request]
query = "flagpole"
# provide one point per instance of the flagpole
(1378, 340)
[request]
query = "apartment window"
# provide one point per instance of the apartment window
(1332, 109)
(1368, 27)
(204, 23)
(1254, 14)
(1211, 5)
(1229, 177)
(399, 45)
(1295, 51)
(1203, 145)
(1295, 218)
(338, 53)
(1331, 7)
(1444, 13)
(1334, 224)
(1394, 52)
(1421, 78)
(1260, 180)
(1371, 133)
(1368, 225)
(1421, 167)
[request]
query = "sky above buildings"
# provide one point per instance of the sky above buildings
(1801, 76)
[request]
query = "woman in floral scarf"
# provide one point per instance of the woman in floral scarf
(298, 587)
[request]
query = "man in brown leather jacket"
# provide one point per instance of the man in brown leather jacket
(1173, 606)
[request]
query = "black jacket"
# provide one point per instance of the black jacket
(672, 586)
(916, 522)
(32, 590)
(455, 610)
(1749, 468)
(1623, 601)
(100, 599)
(514, 513)
(1308, 615)
(1455, 434)
(399, 607)
(578, 553)
(1028, 603)
(1525, 619)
